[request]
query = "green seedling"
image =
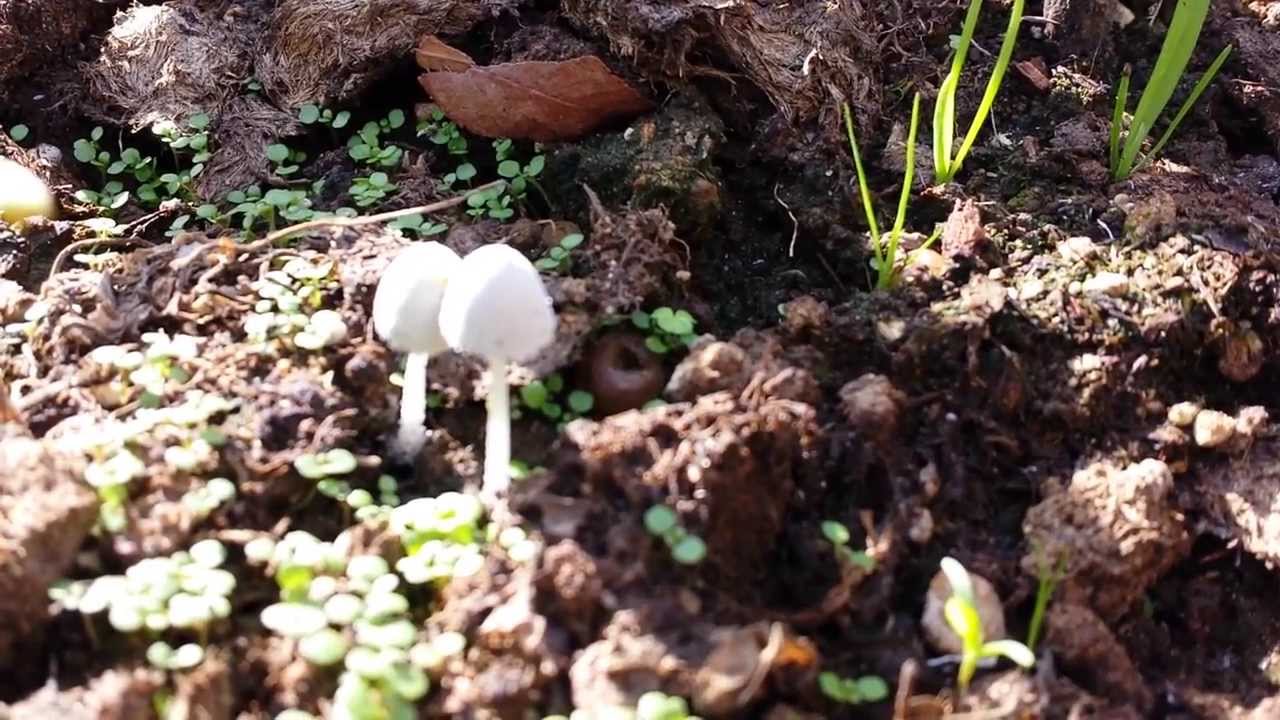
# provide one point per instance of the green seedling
(961, 613)
(417, 225)
(686, 548)
(494, 203)
(853, 691)
(559, 259)
(838, 535)
(1179, 45)
(203, 501)
(519, 177)
(946, 160)
(441, 131)
(289, 306)
(885, 260)
(371, 190)
(157, 369)
(164, 656)
(285, 161)
(19, 133)
(441, 536)
(253, 206)
(545, 397)
(666, 329)
(194, 139)
(366, 146)
(311, 114)
(655, 705)
(323, 466)
(1048, 580)
(188, 590)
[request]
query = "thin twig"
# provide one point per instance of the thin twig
(67, 251)
(292, 230)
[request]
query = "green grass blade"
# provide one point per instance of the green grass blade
(863, 188)
(993, 85)
(944, 121)
(1196, 92)
(1117, 117)
(887, 267)
(1179, 44)
(944, 109)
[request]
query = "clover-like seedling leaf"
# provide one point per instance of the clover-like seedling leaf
(581, 401)
(333, 462)
(872, 688)
(534, 395)
(294, 620)
(309, 114)
(659, 520)
(324, 647)
(19, 133)
(835, 532)
(343, 609)
(208, 553)
(689, 550)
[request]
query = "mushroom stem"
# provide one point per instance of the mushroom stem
(497, 435)
(413, 405)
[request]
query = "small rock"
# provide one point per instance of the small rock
(927, 262)
(1107, 283)
(1078, 249)
(1031, 289)
(805, 315)
(1213, 428)
(1149, 217)
(872, 406)
(934, 623)
(1184, 413)
(963, 236)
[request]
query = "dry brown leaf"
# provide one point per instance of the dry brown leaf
(433, 54)
(540, 101)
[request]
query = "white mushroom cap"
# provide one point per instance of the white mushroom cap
(406, 306)
(497, 306)
(23, 194)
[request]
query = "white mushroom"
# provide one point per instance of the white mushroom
(23, 194)
(497, 307)
(406, 314)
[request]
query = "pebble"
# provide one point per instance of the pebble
(1184, 413)
(933, 622)
(1107, 283)
(1213, 428)
(1031, 289)
(1077, 248)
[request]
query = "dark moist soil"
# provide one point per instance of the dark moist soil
(1075, 381)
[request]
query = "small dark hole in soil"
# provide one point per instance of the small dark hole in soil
(1242, 128)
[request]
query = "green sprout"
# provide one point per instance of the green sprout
(519, 177)
(1179, 45)
(544, 397)
(18, 133)
(1048, 580)
(946, 163)
(666, 329)
(366, 145)
(371, 190)
(164, 656)
(443, 132)
(853, 691)
(885, 259)
(838, 535)
(188, 590)
(441, 537)
(686, 548)
(655, 705)
(417, 225)
(254, 206)
(285, 161)
(322, 466)
(961, 613)
(311, 114)
(494, 203)
(289, 306)
(559, 260)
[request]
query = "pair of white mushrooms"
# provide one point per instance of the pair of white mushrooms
(492, 303)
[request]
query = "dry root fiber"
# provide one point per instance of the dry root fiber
(167, 62)
(35, 31)
(329, 50)
(804, 56)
